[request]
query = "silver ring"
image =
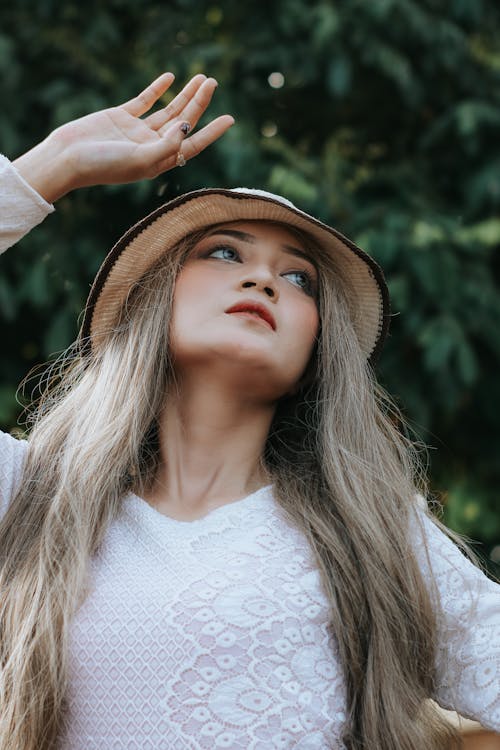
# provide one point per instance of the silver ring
(180, 160)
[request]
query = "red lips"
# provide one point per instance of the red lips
(256, 308)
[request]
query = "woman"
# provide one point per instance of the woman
(212, 537)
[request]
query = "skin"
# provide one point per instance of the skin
(231, 368)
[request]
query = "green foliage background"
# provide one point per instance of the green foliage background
(386, 125)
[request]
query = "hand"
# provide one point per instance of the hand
(115, 145)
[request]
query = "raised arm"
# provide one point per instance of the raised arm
(124, 143)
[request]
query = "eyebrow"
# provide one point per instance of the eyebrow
(246, 237)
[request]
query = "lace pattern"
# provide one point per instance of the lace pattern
(213, 633)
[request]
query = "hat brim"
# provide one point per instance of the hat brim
(144, 243)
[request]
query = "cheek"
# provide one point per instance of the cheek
(308, 326)
(189, 287)
(185, 304)
(195, 296)
(303, 329)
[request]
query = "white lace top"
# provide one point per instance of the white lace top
(213, 633)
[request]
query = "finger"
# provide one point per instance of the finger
(175, 107)
(196, 143)
(165, 147)
(199, 141)
(196, 107)
(145, 100)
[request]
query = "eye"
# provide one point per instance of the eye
(303, 280)
(224, 252)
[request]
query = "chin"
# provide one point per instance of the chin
(254, 374)
(248, 361)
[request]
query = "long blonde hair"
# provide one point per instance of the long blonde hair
(341, 469)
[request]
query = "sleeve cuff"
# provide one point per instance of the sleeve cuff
(19, 184)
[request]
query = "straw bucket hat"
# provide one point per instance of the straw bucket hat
(144, 243)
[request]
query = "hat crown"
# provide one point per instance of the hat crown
(264, 194)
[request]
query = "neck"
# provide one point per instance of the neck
(211, 443)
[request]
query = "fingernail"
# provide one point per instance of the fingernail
(185, 127)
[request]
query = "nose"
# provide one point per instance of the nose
(261, 279)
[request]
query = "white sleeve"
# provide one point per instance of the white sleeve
(12, 454)
(468, 654)
(21, 207)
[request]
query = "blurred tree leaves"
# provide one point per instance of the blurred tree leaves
(384, 122)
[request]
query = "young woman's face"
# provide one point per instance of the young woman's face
(246, 298)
